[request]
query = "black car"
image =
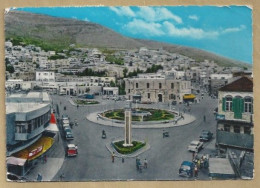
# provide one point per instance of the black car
(68, 134)
(206, 135)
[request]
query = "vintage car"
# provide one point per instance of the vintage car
(195, 146)
(72, 150)
(68, 134)
(186, 169)
(206, 135)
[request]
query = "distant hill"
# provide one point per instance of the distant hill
(61, 32)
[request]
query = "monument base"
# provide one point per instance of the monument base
(127, 145)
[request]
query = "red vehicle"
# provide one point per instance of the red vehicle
(72, 150)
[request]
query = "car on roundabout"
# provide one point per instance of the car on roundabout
(71, 150)
(195, 146)
(186, 169)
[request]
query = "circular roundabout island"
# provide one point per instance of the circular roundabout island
(140, 114)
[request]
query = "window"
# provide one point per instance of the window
(248, 104)
(148, 95)
(160, 85)
(128, 90)
(148, 85)
(136, 85)
(227, 128)
(228, 104)
(236, 129)
(247, 130)
(172, 85)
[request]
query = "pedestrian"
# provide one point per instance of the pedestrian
(39, 177)
(204, 117)
(77, 106)
(145, 163)
(45, 158)
(97, 118)
(113, 157)
(193, 155)
(123, 160)
(137, 163)
(62, 176)
(198, 163)
(196, 173)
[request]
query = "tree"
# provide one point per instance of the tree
(112, 84)
(10, 68)
(125, 72)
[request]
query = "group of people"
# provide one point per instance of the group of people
(139, 165)
(200, 162)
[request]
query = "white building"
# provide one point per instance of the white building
(45, 76)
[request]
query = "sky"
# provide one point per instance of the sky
(226, 31)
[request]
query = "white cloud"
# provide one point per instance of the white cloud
(145, 28)
(123, 11)
(194, 17)
(234, 29)
(150, 14)
(157, 14)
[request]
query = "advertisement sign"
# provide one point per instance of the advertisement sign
(220, 117)
(35, 151)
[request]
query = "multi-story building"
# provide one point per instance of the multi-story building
(48, 76)
(156, 88)
(235, 116)
(28, 130)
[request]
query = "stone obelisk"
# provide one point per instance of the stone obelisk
(128, 126)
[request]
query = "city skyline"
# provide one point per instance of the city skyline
(226, 31)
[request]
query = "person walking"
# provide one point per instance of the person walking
(198, 163)
(196, 171)
(113, 157)
(145, 163)
(204, 117)
(62, 176)
(45, 158)
(39, 177)
(137, 161)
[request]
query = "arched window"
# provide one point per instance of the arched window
(248, 104)
(228, 105)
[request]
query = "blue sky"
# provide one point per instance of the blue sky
(226, 31)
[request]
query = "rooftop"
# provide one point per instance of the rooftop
(243, 84)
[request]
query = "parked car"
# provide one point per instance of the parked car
(65, 121)
(186, 169)
(174, 102)
(195, 146)
(65, 126)
(64, 117)
(215, 111)
(68, 134)
(206, 135)
(72, 150)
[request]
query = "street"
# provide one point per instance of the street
(93, 162)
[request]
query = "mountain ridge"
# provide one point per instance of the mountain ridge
(64, 31)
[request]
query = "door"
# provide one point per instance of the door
(160, 98)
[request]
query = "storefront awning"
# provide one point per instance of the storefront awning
(189, 96)
(15, 161)
(36, 149)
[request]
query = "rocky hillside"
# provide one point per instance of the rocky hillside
(63, 32)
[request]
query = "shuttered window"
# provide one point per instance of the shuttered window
(238, 107)
(228, 104)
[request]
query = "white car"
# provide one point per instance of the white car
(195, 146)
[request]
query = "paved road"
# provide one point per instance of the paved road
(164, 157)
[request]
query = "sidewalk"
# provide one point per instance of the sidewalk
(115, 123)
(55, 159)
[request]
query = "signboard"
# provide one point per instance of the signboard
(35, 151)
(220, 117)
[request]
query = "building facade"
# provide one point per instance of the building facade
(235, 116)
(48, 76)
(156, 89)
